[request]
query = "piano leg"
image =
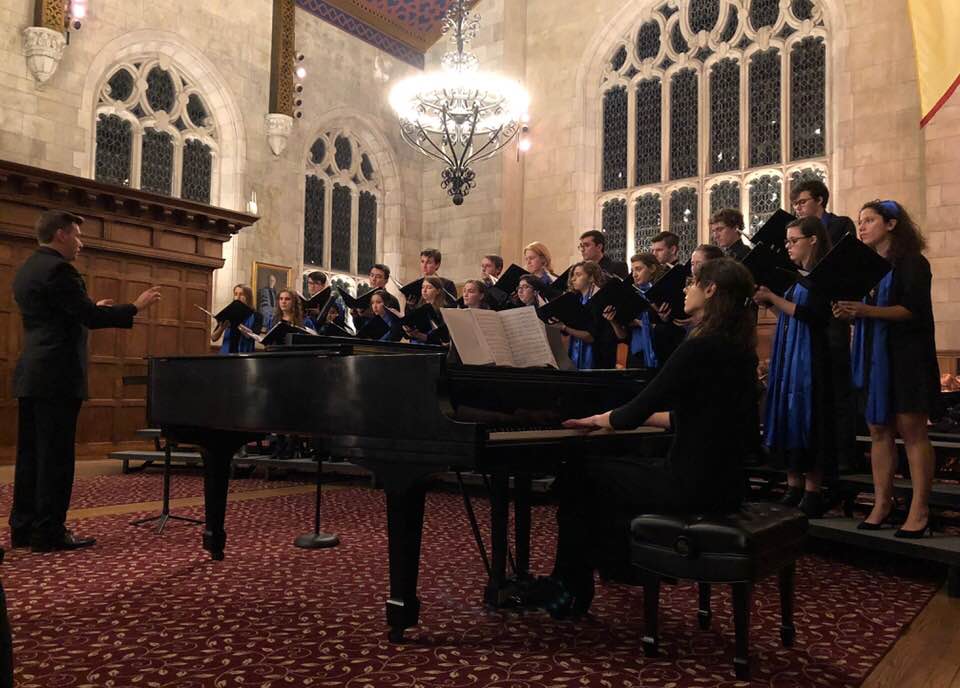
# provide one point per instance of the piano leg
(217, 457)
(404, 530)
(522, 490)
(498, 592)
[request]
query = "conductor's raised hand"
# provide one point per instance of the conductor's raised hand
(147, 298)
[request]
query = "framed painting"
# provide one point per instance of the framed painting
(267, 281)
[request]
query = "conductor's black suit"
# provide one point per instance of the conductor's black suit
(50, 383)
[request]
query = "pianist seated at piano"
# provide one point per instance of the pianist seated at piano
(706, 393)
(638, 334)
(585, 278)
(289, 310)
(234, 339)
(433, 296)
(474, 294)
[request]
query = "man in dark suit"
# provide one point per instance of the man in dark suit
(810, 199)
(726, 227)
(267, 298)
(593, 246)
(665, 247)
(50, 380)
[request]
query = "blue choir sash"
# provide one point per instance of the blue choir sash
(580, 352)
(875, 376)
(244, 344)
(641, 339)
(789, 412)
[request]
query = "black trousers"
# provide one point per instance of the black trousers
(598, 496)
(43, 478)
(6, 645)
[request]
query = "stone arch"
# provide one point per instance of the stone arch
(369, 131)
(597, 53)
(191, 61)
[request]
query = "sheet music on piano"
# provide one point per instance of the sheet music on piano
(515, 338)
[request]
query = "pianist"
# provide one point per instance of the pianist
(707, 395)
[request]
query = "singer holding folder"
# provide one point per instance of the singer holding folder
(895, 362)
(234, 339)
(798, 421)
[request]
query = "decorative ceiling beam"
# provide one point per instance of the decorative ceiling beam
(279, 119)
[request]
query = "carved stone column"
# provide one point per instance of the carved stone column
(43, 42)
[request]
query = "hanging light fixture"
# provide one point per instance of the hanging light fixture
(459, 115)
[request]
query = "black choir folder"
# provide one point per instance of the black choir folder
(277, 334)
(316, 301)
(567, 309)
(669, 289)
(849, 271)
(374, 328)
(622, 295)
(773, 270)
(514, 338)
(235, 312)
(773, 233)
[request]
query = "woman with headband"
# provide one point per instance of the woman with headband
(895, 362)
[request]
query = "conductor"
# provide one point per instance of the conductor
(50, 380)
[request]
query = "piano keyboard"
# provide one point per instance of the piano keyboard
(547, 435)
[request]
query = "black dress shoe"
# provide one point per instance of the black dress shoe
(914, 534)
(812, 504)
(66, 541)
(792, 496)
(18, 539)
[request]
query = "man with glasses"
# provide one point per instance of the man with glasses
(593, 246)
(810, 200)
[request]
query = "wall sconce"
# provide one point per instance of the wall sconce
(524, 143)
(252, 207)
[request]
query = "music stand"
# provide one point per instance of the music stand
(317, 539)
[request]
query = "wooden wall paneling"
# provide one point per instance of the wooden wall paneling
(132, 240)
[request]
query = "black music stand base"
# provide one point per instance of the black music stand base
(316, 540)
(165, 514)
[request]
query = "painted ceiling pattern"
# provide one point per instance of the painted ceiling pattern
(403, 28)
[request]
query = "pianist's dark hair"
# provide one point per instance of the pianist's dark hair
(591, 268)
(297, 315)
(729, 311)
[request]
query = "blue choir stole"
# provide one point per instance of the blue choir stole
(789, 411)
(580, 352)
(243, 344)
(641, 339)
(874, 376)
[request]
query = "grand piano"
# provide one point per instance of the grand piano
(403, 412)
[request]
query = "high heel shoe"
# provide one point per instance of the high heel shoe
(864, 525)
(915, 534)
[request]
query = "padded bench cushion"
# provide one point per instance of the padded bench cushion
(757, 540)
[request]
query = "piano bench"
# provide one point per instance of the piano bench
(737, 549)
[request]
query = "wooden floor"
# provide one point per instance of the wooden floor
(927, 656)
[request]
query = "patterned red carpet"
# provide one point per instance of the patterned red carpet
(147, 610)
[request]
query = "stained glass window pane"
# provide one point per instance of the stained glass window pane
(197, 111)
(648, 40)
(802, 9)
(615, 227)
(666, 11)
(121, 85)
(764, 108)
(619, 59)
(806, 174)
(683, 124)
(725, 116)
(344, 153)
(366, 167)
(156, 162)
(808, 98)
(161, 92)
(366, 232)
(683, 219)
(730, 27)
(677, 41)
(764, 13)
(114, 148)
(724, 195)
(314, 200)
(704, 14)
(340, 230)
(197, 171)
(765, 197)
(317, 151)
(648, 131)
(615, 138)
(646, 221)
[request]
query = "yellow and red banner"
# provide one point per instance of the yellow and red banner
(936, 38)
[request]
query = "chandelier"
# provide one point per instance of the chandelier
(459, 115)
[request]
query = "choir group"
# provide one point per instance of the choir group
(819, 378)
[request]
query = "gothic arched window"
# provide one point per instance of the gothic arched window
(154, 132)
(722, 103)
(341, 205)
